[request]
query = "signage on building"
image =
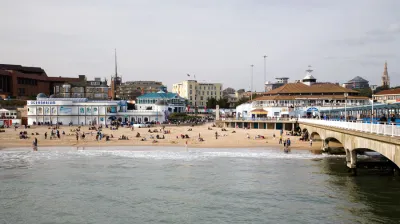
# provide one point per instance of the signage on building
(312, 109)
(41, 102)
(65, 110)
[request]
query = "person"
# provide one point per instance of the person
(288, 142)
(310, 142)
(77, 136)
(393, 119)
(280, 139)
(35, 143)
(216, 135)
(273, 136)
(284, 144)
(45, 135)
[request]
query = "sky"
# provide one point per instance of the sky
(215, 40)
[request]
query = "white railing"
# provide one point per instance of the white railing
(379, 129)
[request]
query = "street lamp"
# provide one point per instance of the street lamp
(265, 70)
(373, 88)
(345, 106)
(251, 84)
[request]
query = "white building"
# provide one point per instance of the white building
(81, 111)
(197, 93)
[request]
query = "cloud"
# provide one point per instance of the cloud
(385, 35)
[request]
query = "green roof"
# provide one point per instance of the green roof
(158, 95)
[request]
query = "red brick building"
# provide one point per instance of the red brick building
(23, 82)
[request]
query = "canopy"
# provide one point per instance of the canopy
(3, 110)
(259, 111)
(112, 118)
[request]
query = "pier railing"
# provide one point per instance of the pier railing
(258, 119)
(379, 129)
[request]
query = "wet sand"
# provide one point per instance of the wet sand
(226, 139)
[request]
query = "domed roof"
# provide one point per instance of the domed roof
(358, 79)
(308, 77)
(41, 95)
(161, 103)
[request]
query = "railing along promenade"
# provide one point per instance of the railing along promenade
(379, 129)
(258, 119)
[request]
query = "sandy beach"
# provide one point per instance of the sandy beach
(226, 139)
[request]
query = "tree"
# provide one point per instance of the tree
(223, 103)
(242, 101)
(380, 88)
(365, 92)
(211, 103)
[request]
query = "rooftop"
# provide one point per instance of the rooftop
(357, 79)
(22, 69)
(389, 91)
(158, 95)
(309, 97)
(300, 88)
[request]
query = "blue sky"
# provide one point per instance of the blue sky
(217, 40)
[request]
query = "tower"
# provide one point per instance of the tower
(385, 77)
(115, 80)
(309, 79)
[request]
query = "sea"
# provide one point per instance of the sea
(66, 185)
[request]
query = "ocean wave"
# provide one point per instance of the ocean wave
(27, 157)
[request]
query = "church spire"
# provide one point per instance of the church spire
(385, 77)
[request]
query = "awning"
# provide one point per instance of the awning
(259, 111)
(112, 118)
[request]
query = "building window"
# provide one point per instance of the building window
(21, 91)
(201, 97)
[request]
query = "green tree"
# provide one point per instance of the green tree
(365, 92)
(223, 103)
(241, 101)
(211, 103)
(380, 88)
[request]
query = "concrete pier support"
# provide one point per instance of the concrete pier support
(325, 145)
(351, 161)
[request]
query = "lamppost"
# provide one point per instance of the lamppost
(251, 84)
(265, 70)
(373, 88)
(345, 106)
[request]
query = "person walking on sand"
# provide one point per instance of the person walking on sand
(273, 136)
(77, 136)
(216, 135)
(310, 142)
(45, 135)
(280, 139)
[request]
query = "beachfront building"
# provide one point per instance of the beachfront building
(278, 83)
(299, 99)
(388, 96)
(197, 93)
(356, 83)
(82, 111)
(94, 90)
(131, 90)
(23, 82)
(173, 102)
(8, 117)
